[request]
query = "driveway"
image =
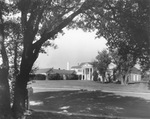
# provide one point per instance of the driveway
(134, 90)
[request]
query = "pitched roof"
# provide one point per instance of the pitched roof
(85, 63)
(51, 70)
(135, 70)
(76, 67)
(40, 71)
(60, 71)
(80, 65)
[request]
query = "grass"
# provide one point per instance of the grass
(88, 103)
(89, 85)
(48, 115)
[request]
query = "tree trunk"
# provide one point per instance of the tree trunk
(21, 94)
(5, 110)
(103, 78)
(122, 79)
(19, 97)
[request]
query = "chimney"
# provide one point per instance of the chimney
(68, 66)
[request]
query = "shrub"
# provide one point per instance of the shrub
(40, 77)
(73, 77)
(31, 77)
(55, 77)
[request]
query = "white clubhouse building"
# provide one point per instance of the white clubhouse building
(84, 70)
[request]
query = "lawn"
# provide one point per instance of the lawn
(87, 85)
(85, 104)
(48, 115)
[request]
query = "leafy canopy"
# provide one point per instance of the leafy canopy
(102, 61)
(125, 24)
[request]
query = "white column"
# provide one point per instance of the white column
(85, 76)
(90, 73)
(82, 74)
(86, 73)
(46, 76)
(134, 77)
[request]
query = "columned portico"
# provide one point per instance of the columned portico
(84, 70)
(87, 72)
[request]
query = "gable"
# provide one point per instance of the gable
(87, 64)
(134, 70)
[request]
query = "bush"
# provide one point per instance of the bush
(72, 77)
(40, 77)
(55, 77)
(31, 77)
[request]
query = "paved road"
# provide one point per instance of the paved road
(134, 90)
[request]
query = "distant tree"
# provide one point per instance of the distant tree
(102, 61)
(123, 63)
(95, 75)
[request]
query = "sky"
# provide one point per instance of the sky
(75, 46)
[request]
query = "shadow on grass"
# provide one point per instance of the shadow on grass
(90, 103)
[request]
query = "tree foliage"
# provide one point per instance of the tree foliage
(40, 21)
(103, 59)
(13, 44)
(123, 65)
(124, 24)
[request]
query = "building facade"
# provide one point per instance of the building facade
(51, 72)
(135, 75)
(84, 71)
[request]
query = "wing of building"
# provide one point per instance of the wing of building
(48, 72)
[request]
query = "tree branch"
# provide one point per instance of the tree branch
(35, 30)
(2, 46)
(50, 34)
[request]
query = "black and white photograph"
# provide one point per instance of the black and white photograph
(74, 59)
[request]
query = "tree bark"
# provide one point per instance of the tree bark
(103, 78)
(19, 97)
(20, 94)
(5, 110)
